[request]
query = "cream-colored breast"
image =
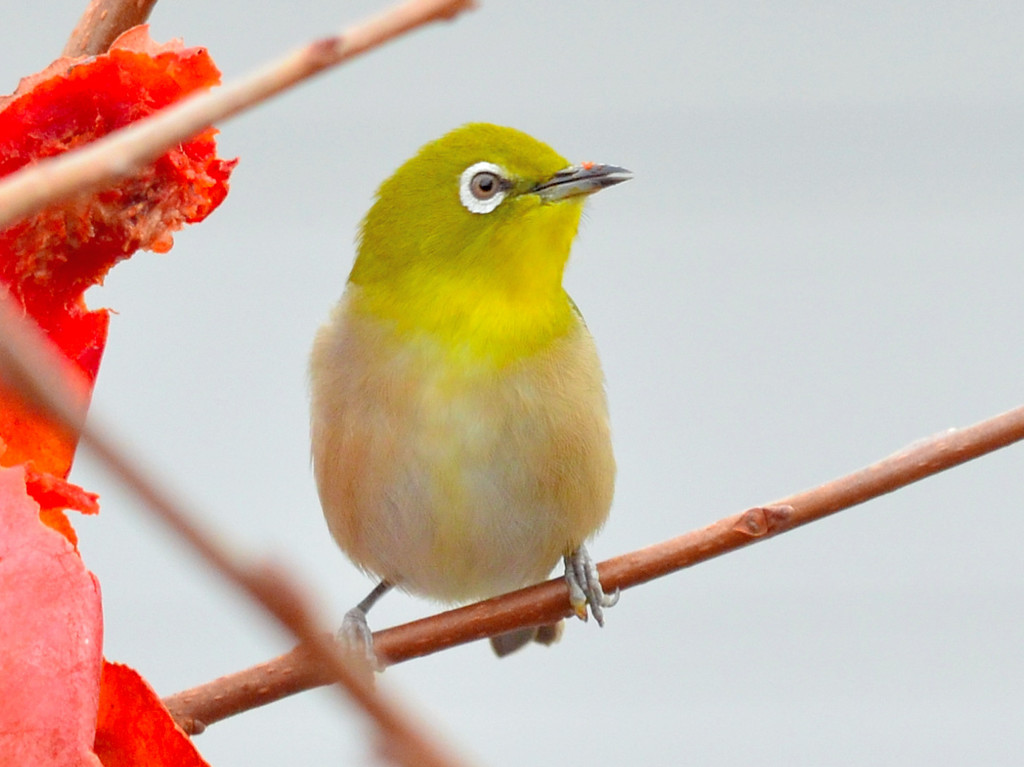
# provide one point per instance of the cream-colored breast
(457, 481)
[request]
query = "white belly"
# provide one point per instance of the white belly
(457, 482)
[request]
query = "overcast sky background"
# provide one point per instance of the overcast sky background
(817, 263)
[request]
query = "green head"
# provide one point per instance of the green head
(479, 223)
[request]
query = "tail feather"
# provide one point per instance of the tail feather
(505, 644)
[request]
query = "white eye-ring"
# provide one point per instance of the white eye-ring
(482, 187)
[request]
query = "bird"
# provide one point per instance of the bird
(459, 423)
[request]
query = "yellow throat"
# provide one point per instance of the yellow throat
(468, 240)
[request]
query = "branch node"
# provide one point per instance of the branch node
(324, 52)
(191, 726)
(762, 521)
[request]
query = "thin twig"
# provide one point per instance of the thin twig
(547, 602)
(126, 151)
(102, 22)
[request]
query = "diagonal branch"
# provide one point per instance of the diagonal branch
(547, 602)
(30, 364)
(128, 150)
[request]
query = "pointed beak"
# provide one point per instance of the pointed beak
(580, 180)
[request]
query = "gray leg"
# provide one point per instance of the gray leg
(355, 631)
(585, 586)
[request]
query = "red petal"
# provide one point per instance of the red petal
(28, 435)
(48, 260)
(51, 636)
(134, 728)
(52, 257)
(52, 492)
(53, 495)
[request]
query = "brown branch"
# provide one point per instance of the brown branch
(547, 602)
(102, 22)
(128, 150)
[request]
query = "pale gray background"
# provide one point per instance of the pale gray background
(818, 262)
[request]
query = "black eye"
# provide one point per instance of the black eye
(484, 185)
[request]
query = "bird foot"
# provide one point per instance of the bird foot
(357, 638)
(585, 586)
